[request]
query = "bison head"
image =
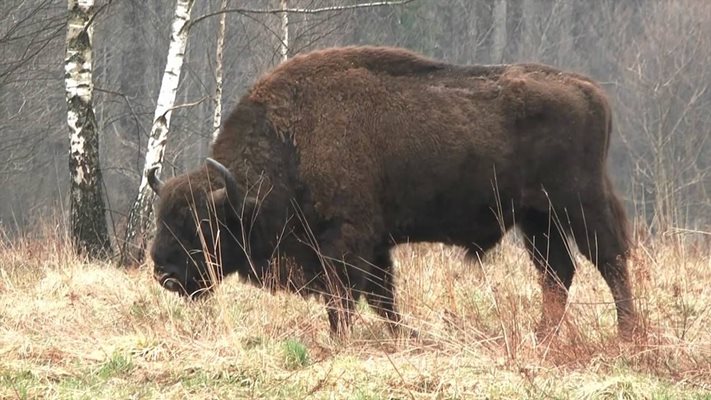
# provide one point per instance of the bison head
(198, 229)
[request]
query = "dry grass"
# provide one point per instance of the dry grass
(72, 329)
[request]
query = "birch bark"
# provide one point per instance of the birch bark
(219, 56)
(139, 219)
(284, 46)
(88, 219)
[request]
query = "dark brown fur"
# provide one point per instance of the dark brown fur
(343, 153)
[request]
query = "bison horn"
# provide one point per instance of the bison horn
(153, 181)
(231, 187)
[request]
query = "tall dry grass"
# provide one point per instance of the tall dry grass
(74, 329)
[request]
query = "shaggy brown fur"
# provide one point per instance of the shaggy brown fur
(340, 154)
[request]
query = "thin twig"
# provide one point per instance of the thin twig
(301, 10)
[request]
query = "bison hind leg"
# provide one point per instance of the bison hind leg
(548, 247)
(600, 230)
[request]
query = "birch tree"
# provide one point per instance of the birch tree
(219, 63)
(284, 45)
(88, 220)
(139, 219)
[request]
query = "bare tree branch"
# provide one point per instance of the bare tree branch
(303, 10)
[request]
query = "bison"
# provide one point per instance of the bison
(337, 155)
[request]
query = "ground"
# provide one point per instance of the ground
(72, 329)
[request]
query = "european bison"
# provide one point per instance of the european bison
(336, 156)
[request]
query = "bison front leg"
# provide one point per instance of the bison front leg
(340, 256)
(380, 290)
(344, 254)
(340, 306)
(338, 296)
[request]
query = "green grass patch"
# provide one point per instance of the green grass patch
(17, 384)
(118, 364)
(296, 355)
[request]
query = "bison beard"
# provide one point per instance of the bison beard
(335, 156)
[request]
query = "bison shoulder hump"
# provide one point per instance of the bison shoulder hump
(319, 64)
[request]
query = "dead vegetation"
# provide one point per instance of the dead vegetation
(71, 329)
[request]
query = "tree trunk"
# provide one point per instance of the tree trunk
(88, 215)
(284, 46)
(219, 56)
(140, 216)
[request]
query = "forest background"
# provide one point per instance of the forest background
(652, 58)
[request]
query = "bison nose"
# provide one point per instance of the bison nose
(166, 279)
(169, 282)
(172, 285)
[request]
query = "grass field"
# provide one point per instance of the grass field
(76, 330)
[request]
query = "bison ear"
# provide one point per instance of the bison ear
(153, 181)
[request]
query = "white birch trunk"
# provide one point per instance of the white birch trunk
(88, 220)
(284, 46)
(139, 219)
(220, 47)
